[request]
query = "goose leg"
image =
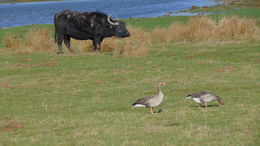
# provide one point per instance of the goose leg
(151, 109)
(205, 105)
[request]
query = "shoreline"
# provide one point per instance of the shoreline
(146, 13)
(24, 1)
(21, 1)
(226, 5)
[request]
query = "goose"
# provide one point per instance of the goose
(151, 101)
(203, 97)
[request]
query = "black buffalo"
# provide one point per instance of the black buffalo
(93, 26)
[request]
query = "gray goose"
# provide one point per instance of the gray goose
(204, 97)
(151, 101)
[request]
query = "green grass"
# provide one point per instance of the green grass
(85, 99)
(150, 23)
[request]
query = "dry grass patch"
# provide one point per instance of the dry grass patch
(11, 41)
(11, 126)
(131, 48)
(236, 27)
(39, 41)
(198, 29)
(137, 45)
(34, 41)
(203, 29)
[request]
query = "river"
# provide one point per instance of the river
(28, 13)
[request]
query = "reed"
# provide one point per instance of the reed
(11, 42)
(198, 29)
(203, 29)
(34, 41)
(39, 41)
(137, 45)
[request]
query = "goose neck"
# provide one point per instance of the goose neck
(159, 89)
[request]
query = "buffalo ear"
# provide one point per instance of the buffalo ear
(110, 27)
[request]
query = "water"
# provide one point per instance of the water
(17, 14)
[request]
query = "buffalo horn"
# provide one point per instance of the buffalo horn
(109, 20)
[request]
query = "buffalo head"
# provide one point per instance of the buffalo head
(119, 26)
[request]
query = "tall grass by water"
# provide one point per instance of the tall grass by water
(198, 29)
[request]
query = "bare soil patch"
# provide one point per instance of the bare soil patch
(11, 126)
(225, 69)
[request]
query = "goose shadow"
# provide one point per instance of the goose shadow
(174, 124)
(159, 111)
(213, 105)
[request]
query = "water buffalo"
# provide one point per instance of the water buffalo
(93, 26)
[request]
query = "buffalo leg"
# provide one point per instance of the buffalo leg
(67, 43)
(59, 42)
(97, 44)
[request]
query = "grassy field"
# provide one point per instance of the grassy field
(85, 98)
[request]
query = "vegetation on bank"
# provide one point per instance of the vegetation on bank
(243, 8)
(85, 98)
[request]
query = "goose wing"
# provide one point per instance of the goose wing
(206, 96)
(144, 101)
(199, 94)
